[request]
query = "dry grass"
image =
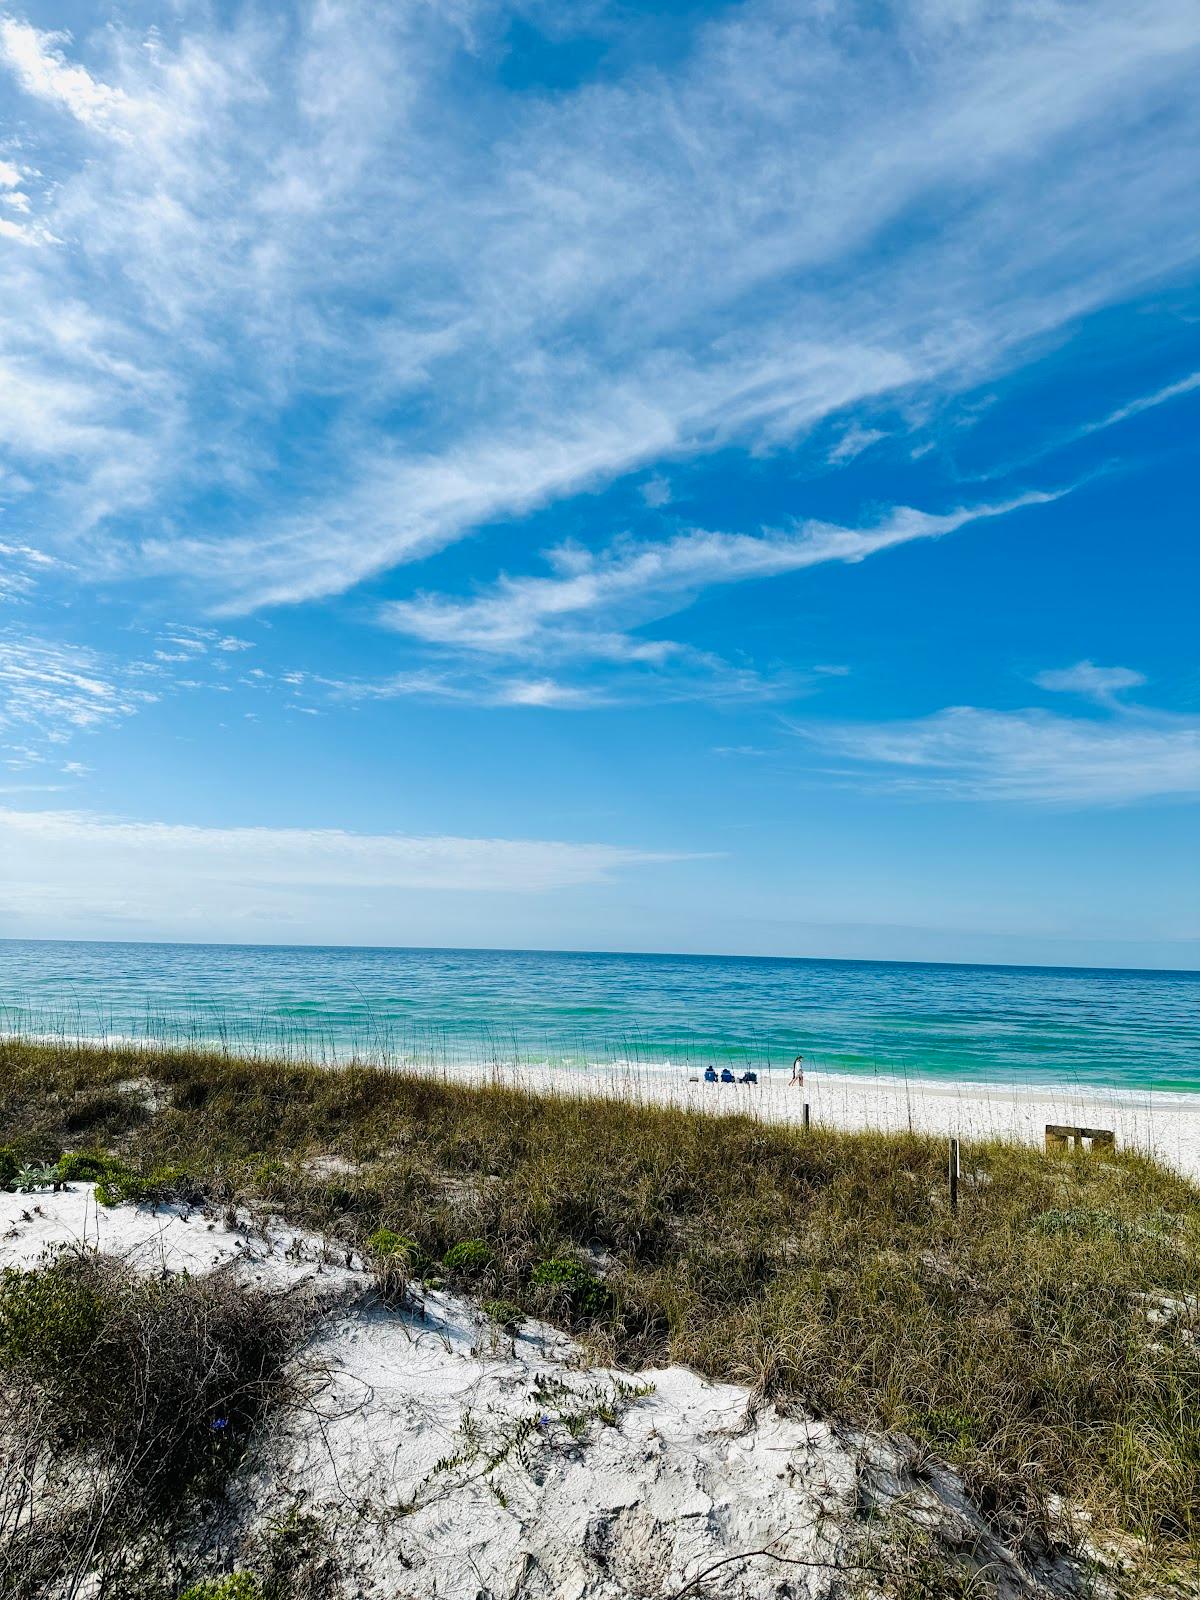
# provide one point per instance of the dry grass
(1044, 1339)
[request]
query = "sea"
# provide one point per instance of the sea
(1020, 1026)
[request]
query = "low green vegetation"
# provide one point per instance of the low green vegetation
(235, 1586)
(569, 1288)
(387, 1245)
(1045, 1339)
(468, 1258)
(125, 1397)
(504, 1313)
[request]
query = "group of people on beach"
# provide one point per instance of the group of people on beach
(725, 1076)
(711, 1075)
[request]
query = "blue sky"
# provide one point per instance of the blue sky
(691, 478)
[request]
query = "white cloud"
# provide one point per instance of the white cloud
(346, 218)
(17, 231)
(633, 582)
(1086, 678)
(56, 689)
(52, 690)
(853, 442)
(1148, 402)
(545, 692)
(1132, 408)
(20, 568)
(656, 491)
(72, 865)
(43, 70)
(475, 689)
(1033, 757)
(186, 642)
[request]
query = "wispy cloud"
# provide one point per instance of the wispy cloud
(1148, 402)
(1086, 678)
(65, 864)
(20, 567)
(474, 689)
(346, 219)
(1056, 441)
(853, 442)
(51, 690)
(585, 609)
(1030, 757)
(186, 642)
(44, 71)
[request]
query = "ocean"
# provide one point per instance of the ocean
(1062, 1027)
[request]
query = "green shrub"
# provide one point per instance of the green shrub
(948, 1428)
(396, 1259)
(159, 1187)
(118, 1185)
(237, 1586)
(388, 1245)
(505, 1313)
(468, 1257)
(1096, 1222)
(48, 1321)
(9, 1166)
(86, 1166)
(162, 1377)
(572, 1283)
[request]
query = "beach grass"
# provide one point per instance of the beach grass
(1044, 1338)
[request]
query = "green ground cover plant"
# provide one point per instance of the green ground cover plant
(234, 1586)
(468, 1258)
(1044, 1339)
(125, 1398)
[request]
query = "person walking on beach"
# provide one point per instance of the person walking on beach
(798, 1073)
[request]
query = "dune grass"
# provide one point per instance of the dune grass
(1044, 1339)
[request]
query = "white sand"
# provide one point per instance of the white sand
(1163, 1125)
(34, 1227)
(438, 1454)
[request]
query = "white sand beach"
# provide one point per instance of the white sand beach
(1166, 1126)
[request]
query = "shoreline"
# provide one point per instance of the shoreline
(1164, 1124)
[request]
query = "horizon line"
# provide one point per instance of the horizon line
(664, 955)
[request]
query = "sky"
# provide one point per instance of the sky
(687, 477)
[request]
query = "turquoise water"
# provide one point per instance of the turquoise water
(1120, 1029)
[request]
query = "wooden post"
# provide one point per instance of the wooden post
(954, 1170)
(807, 1118)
